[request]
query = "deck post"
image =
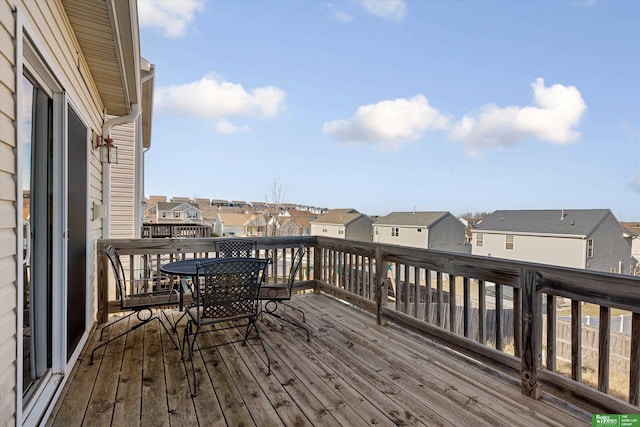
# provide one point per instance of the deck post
(318, 268)
(530, 342)
(634, 375)
(102, 284)
(381, 281)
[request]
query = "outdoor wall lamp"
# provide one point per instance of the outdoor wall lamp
(108, 151)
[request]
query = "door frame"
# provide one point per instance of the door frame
(43, 69)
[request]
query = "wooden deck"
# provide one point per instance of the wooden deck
(353, 372)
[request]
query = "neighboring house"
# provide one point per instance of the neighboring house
(177, 212)
(239, 224)
(343, 224)
(633, 229)
(303, 220)
(430, 230)
(590, 239)
(72, 76)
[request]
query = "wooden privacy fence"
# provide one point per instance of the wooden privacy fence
(479, 305)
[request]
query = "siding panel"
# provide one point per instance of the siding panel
(8, 214)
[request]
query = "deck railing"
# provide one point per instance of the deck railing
(175, 230)
(492, 310)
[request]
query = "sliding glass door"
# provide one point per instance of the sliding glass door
(37, 193)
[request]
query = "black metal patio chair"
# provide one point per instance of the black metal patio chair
(228, 292)
(141, 297)
(236, 248)
(275, 295)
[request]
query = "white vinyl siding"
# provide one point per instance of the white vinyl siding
(8, 218)
(562, 251)
(123, 183)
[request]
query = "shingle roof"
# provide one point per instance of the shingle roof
(338, 216)
(423, 219)
(631, 227)
(167, 206)
(579, 222)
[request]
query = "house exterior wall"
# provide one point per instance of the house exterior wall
(444, 234)
(611, 251)
(562, 251)
(448, 234)
(45, 23)
(328, 230)
(360, 229)
(9, 205)
(123, 183)
(413, 236)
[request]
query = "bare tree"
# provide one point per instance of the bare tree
(472, 220)
(273, 205)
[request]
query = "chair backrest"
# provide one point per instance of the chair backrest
(229, 288)
(235, 248)
(118, 273)
(296, 263)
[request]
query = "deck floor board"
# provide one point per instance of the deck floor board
(352, 372)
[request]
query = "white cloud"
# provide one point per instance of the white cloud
(635, 184)
(388, 124)
(556, 112)
(388, 9)
(172, 17)
(212, 98)
(225, 127)
(343, 17)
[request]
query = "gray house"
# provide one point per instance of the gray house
(590, 239)
(343, 224)
(429, 230)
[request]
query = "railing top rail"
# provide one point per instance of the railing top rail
(612, 290)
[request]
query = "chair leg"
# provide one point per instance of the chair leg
(253, 325)
(110, 324)
(133, 328)
(173, 328)
(143, 321)
(191, 344)
(296, 309)
(272, 312)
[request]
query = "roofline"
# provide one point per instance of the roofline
(525, 233)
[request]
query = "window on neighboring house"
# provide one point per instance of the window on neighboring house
(324, 228)
(176, 214)
(419, 230)
(340, 230)
(376, 228)
(395, 232)
(164, 215)
(192, 215)
(508, 244)
(590, 248)
(479, 239)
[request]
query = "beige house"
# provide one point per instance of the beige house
(71, 76)
(590, 239)
(343, 224)
(178, 212)
(429, 230)
(239, 225)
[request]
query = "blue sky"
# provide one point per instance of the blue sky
(382, 106)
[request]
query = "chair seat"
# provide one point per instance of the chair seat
(152, 299)
(196, 312)
(275, 291)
